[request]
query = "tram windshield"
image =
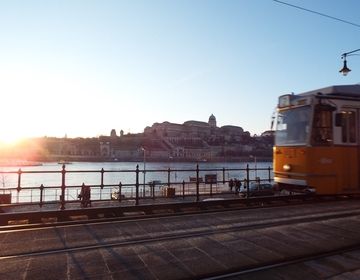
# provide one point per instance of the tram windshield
(293, 126)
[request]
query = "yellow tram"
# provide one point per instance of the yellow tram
(317, 141)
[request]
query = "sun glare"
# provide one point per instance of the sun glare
(13, 131)
(9, 140)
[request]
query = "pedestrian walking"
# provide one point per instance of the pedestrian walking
(84, 196)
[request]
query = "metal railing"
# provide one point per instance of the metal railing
(201, 182)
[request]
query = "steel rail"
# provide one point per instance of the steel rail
(148, 217)
(111, 214)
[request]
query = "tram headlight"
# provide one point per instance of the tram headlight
(286, 167)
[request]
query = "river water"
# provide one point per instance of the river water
(49, 175)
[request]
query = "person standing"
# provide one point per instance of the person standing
(231, 184)
(237, 186)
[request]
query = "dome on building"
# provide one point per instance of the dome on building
(113, 133)
(212, 121)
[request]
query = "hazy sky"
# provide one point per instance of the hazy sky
(82, 68)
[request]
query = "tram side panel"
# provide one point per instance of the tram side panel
(323, 170)
(333, 170)
(348, 169)
(322, 174)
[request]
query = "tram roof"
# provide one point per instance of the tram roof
(340, 90)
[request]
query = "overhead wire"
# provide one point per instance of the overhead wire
(318, 13)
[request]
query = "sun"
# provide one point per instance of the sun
(9, 141)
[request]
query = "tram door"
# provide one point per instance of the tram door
(349, 152)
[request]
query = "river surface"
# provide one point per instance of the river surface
(49, 175)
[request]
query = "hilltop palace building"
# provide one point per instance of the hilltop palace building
(190, 140)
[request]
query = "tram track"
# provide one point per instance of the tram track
(22, 220)
(191, 233)
(149, 217)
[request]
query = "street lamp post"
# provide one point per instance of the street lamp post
(144, 163)
(255, 162)
(345, 70)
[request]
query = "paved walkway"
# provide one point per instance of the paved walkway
(183, 252)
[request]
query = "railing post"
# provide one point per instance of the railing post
(223, 171)
(197, 183)
(169, 171)
(152, 184)
(137, 185)
(183, 189)
(120, 187)
(102, 178)
(41, 195)
(19, 180)
(62, 196)
(247, 181)
(18, 189)
(269, 172)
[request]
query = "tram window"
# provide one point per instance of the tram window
(344, 128)
(338, 119)
(322, 126)
(293, 126)
(352, 127)
(348, 127)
